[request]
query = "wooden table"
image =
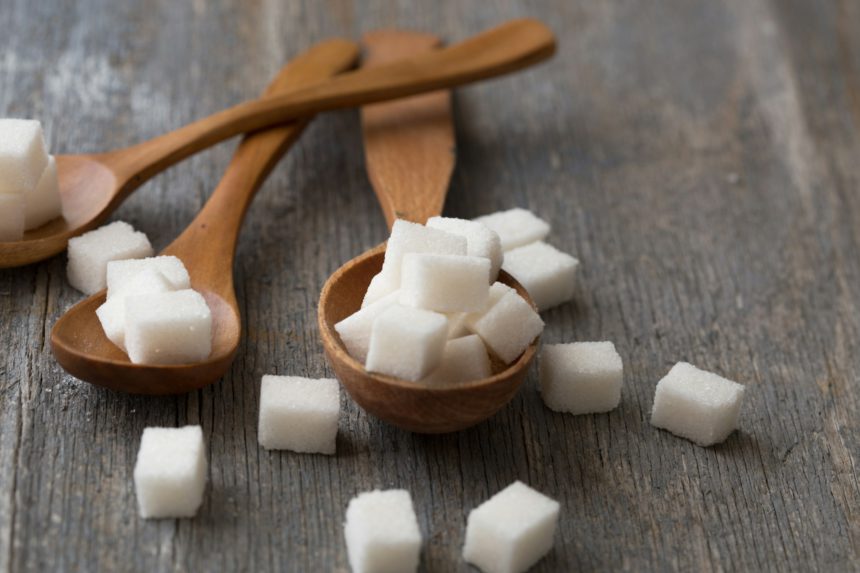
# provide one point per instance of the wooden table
(702, 159)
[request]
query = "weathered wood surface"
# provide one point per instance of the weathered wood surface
(701, 158)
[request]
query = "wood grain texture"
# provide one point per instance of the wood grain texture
(699, 158)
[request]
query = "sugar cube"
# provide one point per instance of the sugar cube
(23, 155)
(90, 253)
(546, 273)
(170, 473)
(354, 330)
(299, 414)
(444, 283)
(382, 534)
(580, 377)
(511, 531)
(124, 272)
(168, 328)
(43, 201)
(508, 326)
(408, 237)
(381, 285)
(697, 405)
(516, 227)
(11, 217)
(407, 342)
(464, 359)
(481, 241)
(112, 313)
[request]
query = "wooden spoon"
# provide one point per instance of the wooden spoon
(92, 186)
(207, 248)
(409, 150)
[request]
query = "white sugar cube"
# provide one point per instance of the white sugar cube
(407, 237)
(464, 359)
(546, 273)
(170, 473)
(508, 326)
(382, 534)
(23, 155)
(354, 330)
(697, 405)
(43, 201)
(444, 283)
(90, 253)
(381, 285)
(407, 342)
(481, 241)
(299, 414)
(125, 272)
(511, 531)
(11, 217)
(581, 377)
(112, 313)
(516, 227)
(168, 328)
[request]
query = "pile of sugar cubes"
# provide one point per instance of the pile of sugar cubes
(29, 192)
(435, 308)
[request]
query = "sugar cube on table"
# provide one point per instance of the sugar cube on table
(698, 405)
(90, 253)
(11, 217)
(511, 531)
(508, 326)
(581, 377)
(381, 285)
(382, 534)
(406, 342)
(23, 155)
(299, 414)
(408, 237)
(546, 273)
(121, 273)
(516, 227)
(170, 473)
(464, 359)
(354, 330)
(481, 241)
(111, 314)
(168, 328)
(444, 283)
(43, 201)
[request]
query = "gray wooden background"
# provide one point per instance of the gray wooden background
(701, 158)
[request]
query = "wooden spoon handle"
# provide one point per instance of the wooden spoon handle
(409, 144)
(512, 46)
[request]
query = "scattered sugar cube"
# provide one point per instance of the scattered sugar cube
(697, 405)
(464, 359)
(508, 326)
(381, 285)
(23, 155)
(382, 534)
(516, 227)
(170, 473)
(90, 253)
(112, 313)
(580, 377)
(299, 414)
(354, 330)
(43, 201)
(408, 237)
(168, 328)
(457, 324)
(406, 342)
(481, 241)
(444, 283)
(511, 531)
(11, 217)
(122, 273)
(546, 273)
